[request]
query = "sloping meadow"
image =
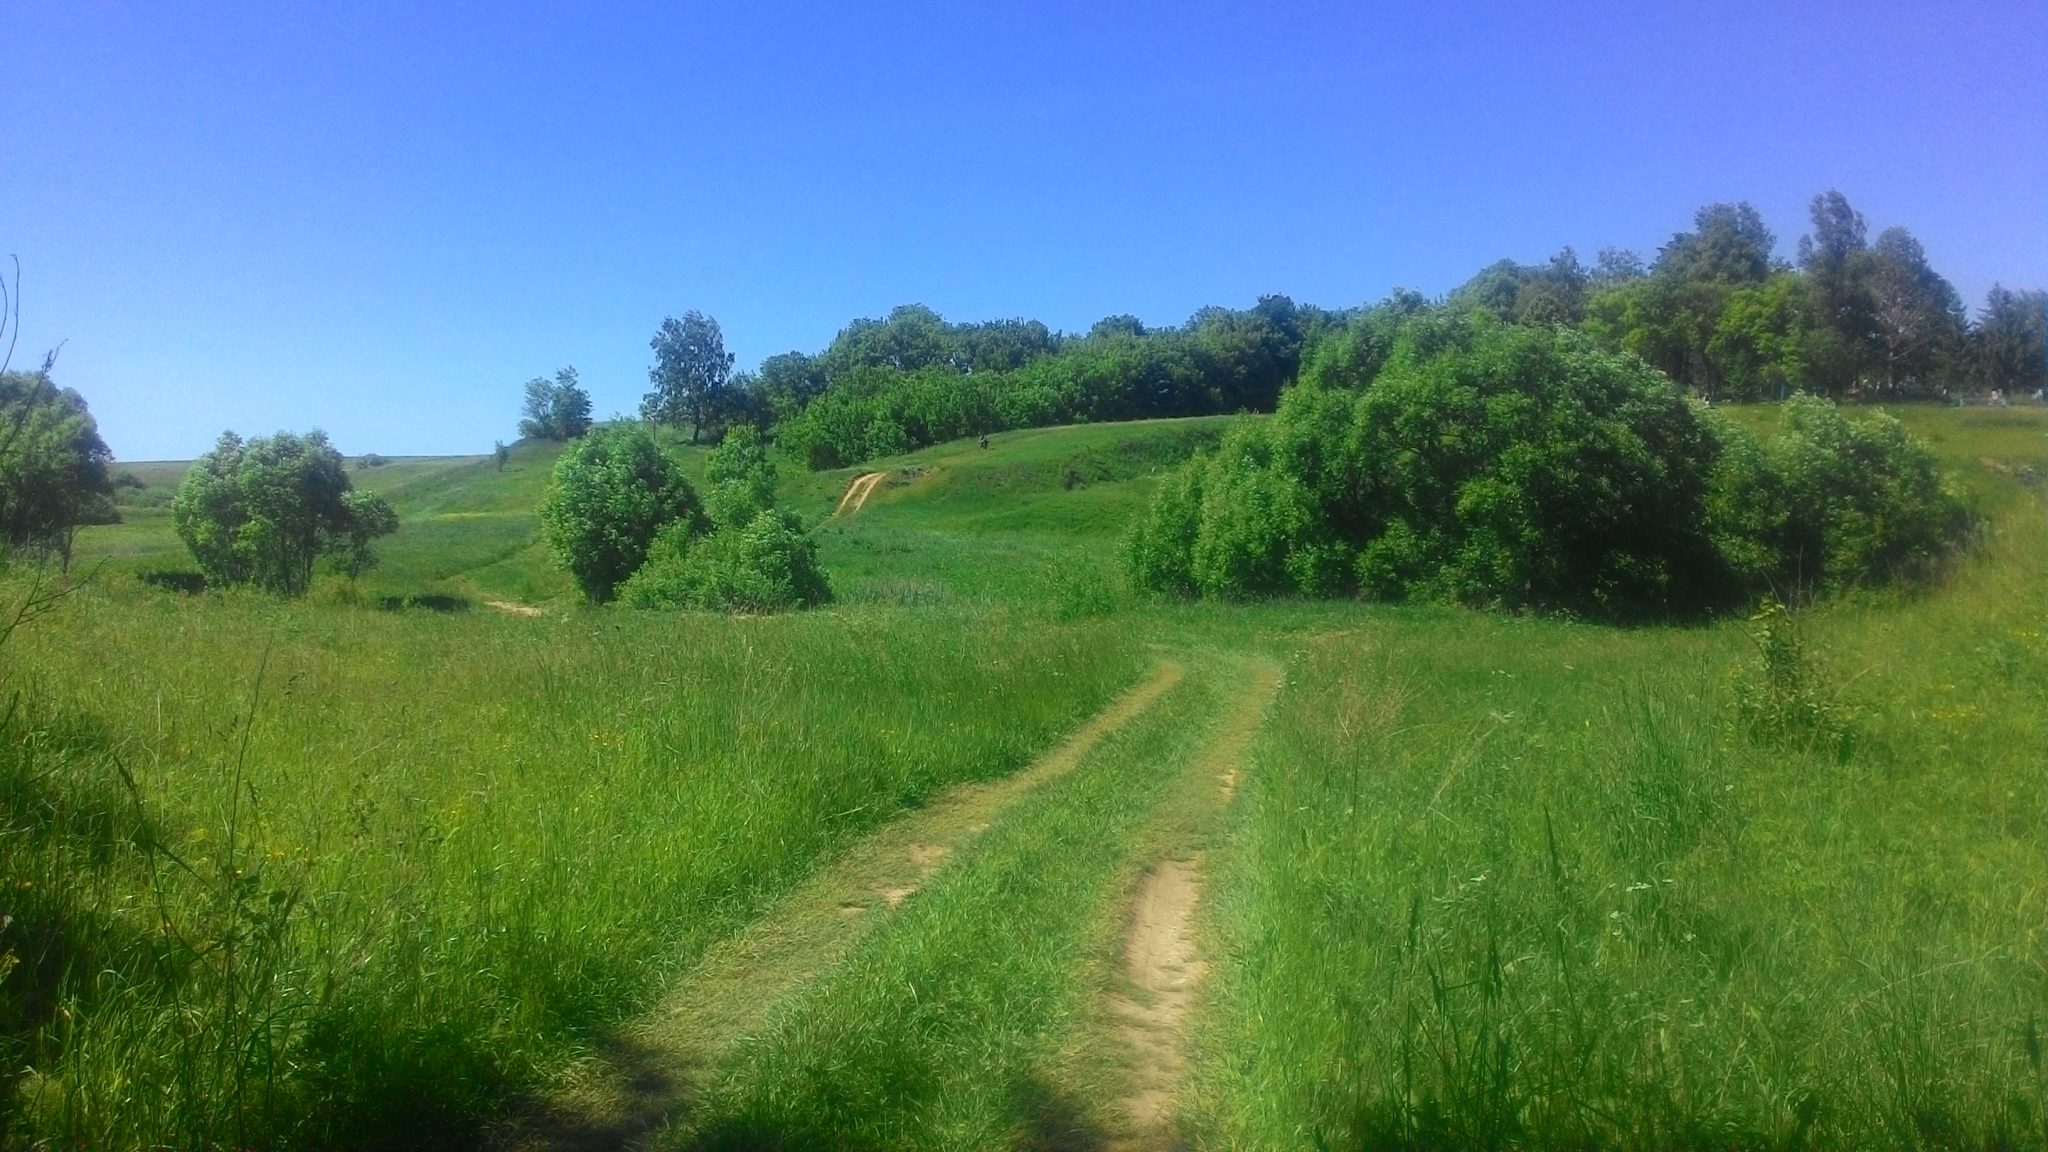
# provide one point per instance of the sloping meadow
(285, 874)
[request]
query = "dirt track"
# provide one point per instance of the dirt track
(1162, 963)
(652, 1070)
(857, 493)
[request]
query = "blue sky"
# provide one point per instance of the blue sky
(380, 219)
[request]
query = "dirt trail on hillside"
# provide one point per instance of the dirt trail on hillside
(651, 1071)
(1162, 965)
(857, 493)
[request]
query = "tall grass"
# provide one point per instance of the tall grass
(307, 876)
(1514, 883)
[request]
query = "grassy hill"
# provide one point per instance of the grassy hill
(993, 854)
(952, 520)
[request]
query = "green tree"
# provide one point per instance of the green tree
(555, 410)
(1729, 244)
(1836, 259)
(500, 453)
(691, 374)
(1918, 315)
(1763, 337)
(262, 512)
(53, 466)
(611, 494)
(741, 477)
(2009, 345)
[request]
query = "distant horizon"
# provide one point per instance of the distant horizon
(382, 222)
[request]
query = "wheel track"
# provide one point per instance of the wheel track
(1161, 965)
(652, 1070)
(857, 493)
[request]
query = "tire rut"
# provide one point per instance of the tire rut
(1161, 965)
(857, 493)
(651, 1071)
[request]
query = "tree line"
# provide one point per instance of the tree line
(1716, 311)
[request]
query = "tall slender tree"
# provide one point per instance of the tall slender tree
(692, 375)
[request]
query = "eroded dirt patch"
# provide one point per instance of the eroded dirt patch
(1162, 969)
(857, 493)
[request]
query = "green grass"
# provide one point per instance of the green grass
(1521, 883)
(1487, 880)
(460, 845)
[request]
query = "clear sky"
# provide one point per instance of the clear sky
(380, 219)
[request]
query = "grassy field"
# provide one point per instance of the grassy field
(318, 874)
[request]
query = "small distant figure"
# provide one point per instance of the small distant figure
(1998, 398)
(984, 439)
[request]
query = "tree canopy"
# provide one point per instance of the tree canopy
(692, 375)
(557, 409)
(53, 466)
(262, 512)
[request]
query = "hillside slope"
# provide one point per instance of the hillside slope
(947, 521)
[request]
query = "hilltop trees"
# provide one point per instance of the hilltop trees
(692, 376)
(53, 466)
(262, 512)
(555, 410)
(2009, 346)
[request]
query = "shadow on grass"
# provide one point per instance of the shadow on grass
(426, 601)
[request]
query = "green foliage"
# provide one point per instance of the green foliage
(611, 495)
(53, 466)
(1829, 504)
(1784, 698)
(501, 453)
(692, 374)
(749, 557)
(1763, 338)
(557, 410)
(1513, 466)
(262, 512)
(2009, 346)
(1525, 467)
(764, 565)
(913, 380)
(741, 478)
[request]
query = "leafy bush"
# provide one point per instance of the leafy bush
(1527, 467)
(262, 512)
(746, 555)
(770, 563)
(613, 492)
(1784, 699)
(1830, 504)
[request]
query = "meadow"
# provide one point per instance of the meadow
(391, 866)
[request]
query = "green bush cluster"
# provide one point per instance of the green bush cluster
(1470, 461)
(263, 512)
(628, 525)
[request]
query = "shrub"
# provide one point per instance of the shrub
(612, 493)
(1500, 465)
(768, 564)
(1528, 468)
(1784, 698)
(1830, 504)
(262, 512)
